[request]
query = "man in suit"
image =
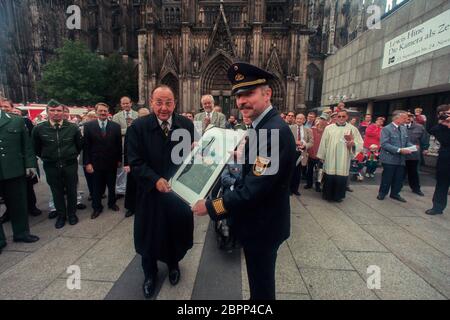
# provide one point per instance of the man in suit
(418, 136)
(17, 161)
(259, 205)
(163, 225)
(209, 116)
(304, 140)
(102, 156)
(394, 141)
(124, 118)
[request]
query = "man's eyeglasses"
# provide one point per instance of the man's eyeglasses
(168, 103)
(341, 117)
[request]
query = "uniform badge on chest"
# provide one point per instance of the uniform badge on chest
(260, 166)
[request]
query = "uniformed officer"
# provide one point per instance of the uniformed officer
(259, 205)
(17, 161)
(58, 143)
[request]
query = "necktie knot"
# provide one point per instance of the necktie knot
(165, 127)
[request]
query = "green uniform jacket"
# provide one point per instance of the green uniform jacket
(16, 152)
(57, 146)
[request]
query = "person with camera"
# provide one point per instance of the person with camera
(442, 134)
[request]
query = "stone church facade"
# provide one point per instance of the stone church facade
(186, 44)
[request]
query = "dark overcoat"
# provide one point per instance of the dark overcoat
(162, 221)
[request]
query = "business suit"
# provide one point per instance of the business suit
(104, 152)
(417, 136)
(393, 138)
(217, 119)
(16, 154)
(308, 141)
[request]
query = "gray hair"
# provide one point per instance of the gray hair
(397, 113)
(209, 97)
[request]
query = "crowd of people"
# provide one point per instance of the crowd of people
(128, 154)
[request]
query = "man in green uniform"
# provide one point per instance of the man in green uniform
(58, 143)
(17, 161)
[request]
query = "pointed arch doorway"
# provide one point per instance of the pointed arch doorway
(215, 82)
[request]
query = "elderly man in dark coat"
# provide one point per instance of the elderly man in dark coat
(418, 136)
(163, 227)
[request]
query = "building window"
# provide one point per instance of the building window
(274, 14)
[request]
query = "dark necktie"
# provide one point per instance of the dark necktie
(165, 128)
(299, 135)
(57, 125)
(103, 128)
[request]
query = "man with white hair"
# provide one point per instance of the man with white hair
(209, 116)
(394, 148)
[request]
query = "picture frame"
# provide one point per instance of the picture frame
(199, 172)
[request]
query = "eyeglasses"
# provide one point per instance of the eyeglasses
(168, 103)
(341, 117)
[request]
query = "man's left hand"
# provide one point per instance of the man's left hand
(199, 209)
(31, 172)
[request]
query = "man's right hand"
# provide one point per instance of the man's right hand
(405, 151)
(163, 186)
(89, 168)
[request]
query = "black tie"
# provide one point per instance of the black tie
(165, 128)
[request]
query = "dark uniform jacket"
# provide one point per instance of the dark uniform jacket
(60, 146)
(16, 152)
(260, 205)
(162, 221)
(103, 152)
(442, 135)
(418, 136)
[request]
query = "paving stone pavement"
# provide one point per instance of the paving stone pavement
(327, 255)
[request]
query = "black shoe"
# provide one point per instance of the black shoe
(35, 212)
(174, 276)
(119, 196)
(95, 214)
(149, 287)
(432, 212)
(398, 198)
(60, 222)
(380, 197)
(5, 218)
(81, 206)
(27, 239)
(349, 189)
(53, 214)
(114, 207)
(420, 193)
(296, 193)
(73, 219)
(339, 200)
(307, 187)
(129, 213)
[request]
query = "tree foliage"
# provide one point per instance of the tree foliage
(77, 76)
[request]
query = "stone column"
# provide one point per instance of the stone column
(142, 72)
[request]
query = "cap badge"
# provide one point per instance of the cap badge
(239, 77)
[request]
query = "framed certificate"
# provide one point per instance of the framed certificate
(198, 173)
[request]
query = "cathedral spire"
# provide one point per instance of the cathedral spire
(221, 36)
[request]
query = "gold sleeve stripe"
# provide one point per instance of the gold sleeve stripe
(249, 83)
(218, 206)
